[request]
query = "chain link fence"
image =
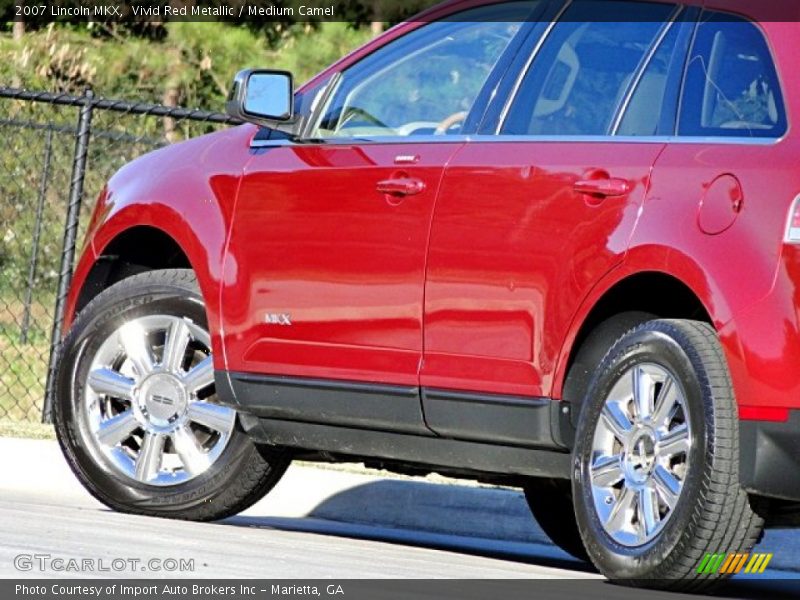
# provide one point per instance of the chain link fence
(57, 151)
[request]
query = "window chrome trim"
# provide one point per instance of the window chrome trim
(256, 144)
(524, 71)
(395, 140)
(628, 139)
(531, 139)
(622, 109)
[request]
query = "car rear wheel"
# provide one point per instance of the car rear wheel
(136, 411)
(655, 467)
(550, 501)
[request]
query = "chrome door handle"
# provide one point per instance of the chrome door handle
(401, 186)
(604, 188)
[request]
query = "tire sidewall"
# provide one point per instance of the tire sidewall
(659, 344)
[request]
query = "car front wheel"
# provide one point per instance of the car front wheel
(136, 411)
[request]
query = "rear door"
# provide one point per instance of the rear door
(534, 211)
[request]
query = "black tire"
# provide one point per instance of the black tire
(592, 351)
(242, 474)
(550, 501)
(712, 514)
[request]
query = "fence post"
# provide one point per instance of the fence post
(70, 239)
(37, 235)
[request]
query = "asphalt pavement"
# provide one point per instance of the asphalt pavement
(317, 523)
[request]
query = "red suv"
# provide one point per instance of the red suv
(550, 244)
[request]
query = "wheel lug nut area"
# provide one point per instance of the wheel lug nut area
(161, 400)
(639, 457)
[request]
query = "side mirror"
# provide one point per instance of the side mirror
(262, 96)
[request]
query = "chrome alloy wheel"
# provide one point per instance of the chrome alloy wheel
(640, 454)
(149, 401)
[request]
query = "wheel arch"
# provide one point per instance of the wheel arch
(134, 250)
(139, 242)
(654, 292)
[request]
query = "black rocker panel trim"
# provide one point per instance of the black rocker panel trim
(489, 418)
(450, 455)
(345, 403)
(494, 418)
(470, 433)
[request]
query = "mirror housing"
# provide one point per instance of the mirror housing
(264, 97)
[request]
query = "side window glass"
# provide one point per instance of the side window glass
(731, 86)
(585, 68)
(643, 113)
(426, 81)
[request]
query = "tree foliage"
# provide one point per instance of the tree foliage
(191, 65)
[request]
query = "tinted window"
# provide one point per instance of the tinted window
(585, 68)
(426, 81)
(643, 113)
(731, 86)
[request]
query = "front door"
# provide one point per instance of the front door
(328, 254)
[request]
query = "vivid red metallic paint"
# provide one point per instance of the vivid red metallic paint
(187, 191)
(483, 280)
(347, 261)
(497, 307)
